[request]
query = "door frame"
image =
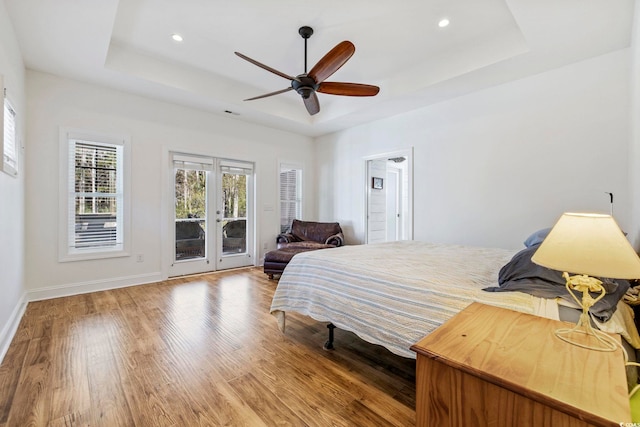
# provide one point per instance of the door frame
(167, 226)
(407, 226)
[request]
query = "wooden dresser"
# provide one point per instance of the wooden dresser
(489, 366)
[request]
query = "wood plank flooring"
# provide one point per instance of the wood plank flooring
(201, 350)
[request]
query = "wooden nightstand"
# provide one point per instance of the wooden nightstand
(489, 366)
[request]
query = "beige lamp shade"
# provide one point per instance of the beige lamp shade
(590, 244)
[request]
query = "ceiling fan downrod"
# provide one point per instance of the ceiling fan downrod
(305, 32)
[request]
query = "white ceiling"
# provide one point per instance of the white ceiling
(127, 45)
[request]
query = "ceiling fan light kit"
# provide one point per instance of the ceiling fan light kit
(307, 84)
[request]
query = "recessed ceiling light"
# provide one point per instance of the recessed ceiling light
(443, 23)
(176, 37)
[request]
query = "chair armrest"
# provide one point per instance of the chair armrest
(336, 239)
(287, 238)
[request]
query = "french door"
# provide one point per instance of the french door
(234, 214)
(213, 224)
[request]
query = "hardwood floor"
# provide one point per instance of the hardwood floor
(202, 350)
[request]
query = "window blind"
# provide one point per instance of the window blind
(10, 152)
(96, 195)
(181, 161)
(236, 168)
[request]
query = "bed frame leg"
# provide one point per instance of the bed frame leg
(329, 344)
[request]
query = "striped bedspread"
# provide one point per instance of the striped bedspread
(393, 293)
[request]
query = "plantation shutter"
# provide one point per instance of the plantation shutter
(10, 151)
(96, 195)
(290, 196)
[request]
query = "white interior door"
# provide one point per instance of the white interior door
(393, 204)
(376, 201)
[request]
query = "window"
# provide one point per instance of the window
(94, 180)
(290, 195)
(9, 145)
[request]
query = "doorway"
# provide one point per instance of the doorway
(212, 214)
(389, 201)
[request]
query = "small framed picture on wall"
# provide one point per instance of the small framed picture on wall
(376, 183)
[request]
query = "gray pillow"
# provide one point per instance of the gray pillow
(537, 237)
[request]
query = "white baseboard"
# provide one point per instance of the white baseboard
(10, 328)
(91, 286)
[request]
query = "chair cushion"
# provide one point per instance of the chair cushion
(307, 245)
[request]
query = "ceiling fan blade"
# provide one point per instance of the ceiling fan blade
(266, 67)
(332, 61)
(348, 89)
(270, 94)
(312, 104)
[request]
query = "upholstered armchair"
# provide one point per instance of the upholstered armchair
(308, 233)
(302, 236)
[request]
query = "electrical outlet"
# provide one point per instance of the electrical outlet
(265, 246)
(139, 258)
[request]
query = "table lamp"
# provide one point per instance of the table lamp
(588, 245)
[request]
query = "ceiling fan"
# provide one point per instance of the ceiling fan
(307, 84)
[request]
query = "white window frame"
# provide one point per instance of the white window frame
(284, 166)
(67, 193)
(9, 141)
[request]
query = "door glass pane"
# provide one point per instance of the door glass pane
(190, 213)
(234, 220)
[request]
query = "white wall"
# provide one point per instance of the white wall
(12, 189)
(154, 127)
(495, 165)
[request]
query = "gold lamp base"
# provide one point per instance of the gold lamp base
(600, 341)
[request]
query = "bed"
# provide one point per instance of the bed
(394, 293)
